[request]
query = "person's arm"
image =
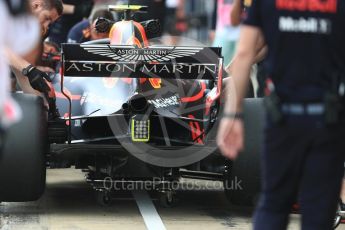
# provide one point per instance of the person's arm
(35, 82)
(260, 54)
(236, 13)
(246, 53)
(261, 50)
(17, 64)
(230, 137)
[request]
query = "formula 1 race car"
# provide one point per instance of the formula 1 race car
(132, 110)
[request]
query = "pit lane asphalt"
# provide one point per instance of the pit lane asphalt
(69, 204)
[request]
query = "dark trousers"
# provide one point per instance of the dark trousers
(303, 160)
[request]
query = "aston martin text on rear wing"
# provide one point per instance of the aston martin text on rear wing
(174, 62)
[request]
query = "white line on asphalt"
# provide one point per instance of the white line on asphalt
(148, 211)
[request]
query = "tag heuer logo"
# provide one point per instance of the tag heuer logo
(149, 54)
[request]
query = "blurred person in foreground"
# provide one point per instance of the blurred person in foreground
(14, 20)
(175, 21)
(32, 79)
(226, 35)
(303, 145)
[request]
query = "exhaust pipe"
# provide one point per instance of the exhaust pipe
(103, 25)
(138, 103)
(152, 27)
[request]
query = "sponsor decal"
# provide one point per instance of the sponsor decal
(150, 70)
(93, 98)
(151, 53)
(165, 102)
(127, 61)
(323, 6)
(305, 25)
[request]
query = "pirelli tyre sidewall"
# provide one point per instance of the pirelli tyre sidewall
(22, 160)
(242, 177)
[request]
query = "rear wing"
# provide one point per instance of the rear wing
(172, 62)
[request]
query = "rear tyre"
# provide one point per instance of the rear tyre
(22, 161)
(242, 177)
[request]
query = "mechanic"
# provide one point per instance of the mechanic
(30, 79)
(74, 11)
(14, 19)
(85, 30)
(175, 20)
(303, 145)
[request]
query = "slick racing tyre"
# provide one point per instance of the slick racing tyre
(22, 160)
(242, 176)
